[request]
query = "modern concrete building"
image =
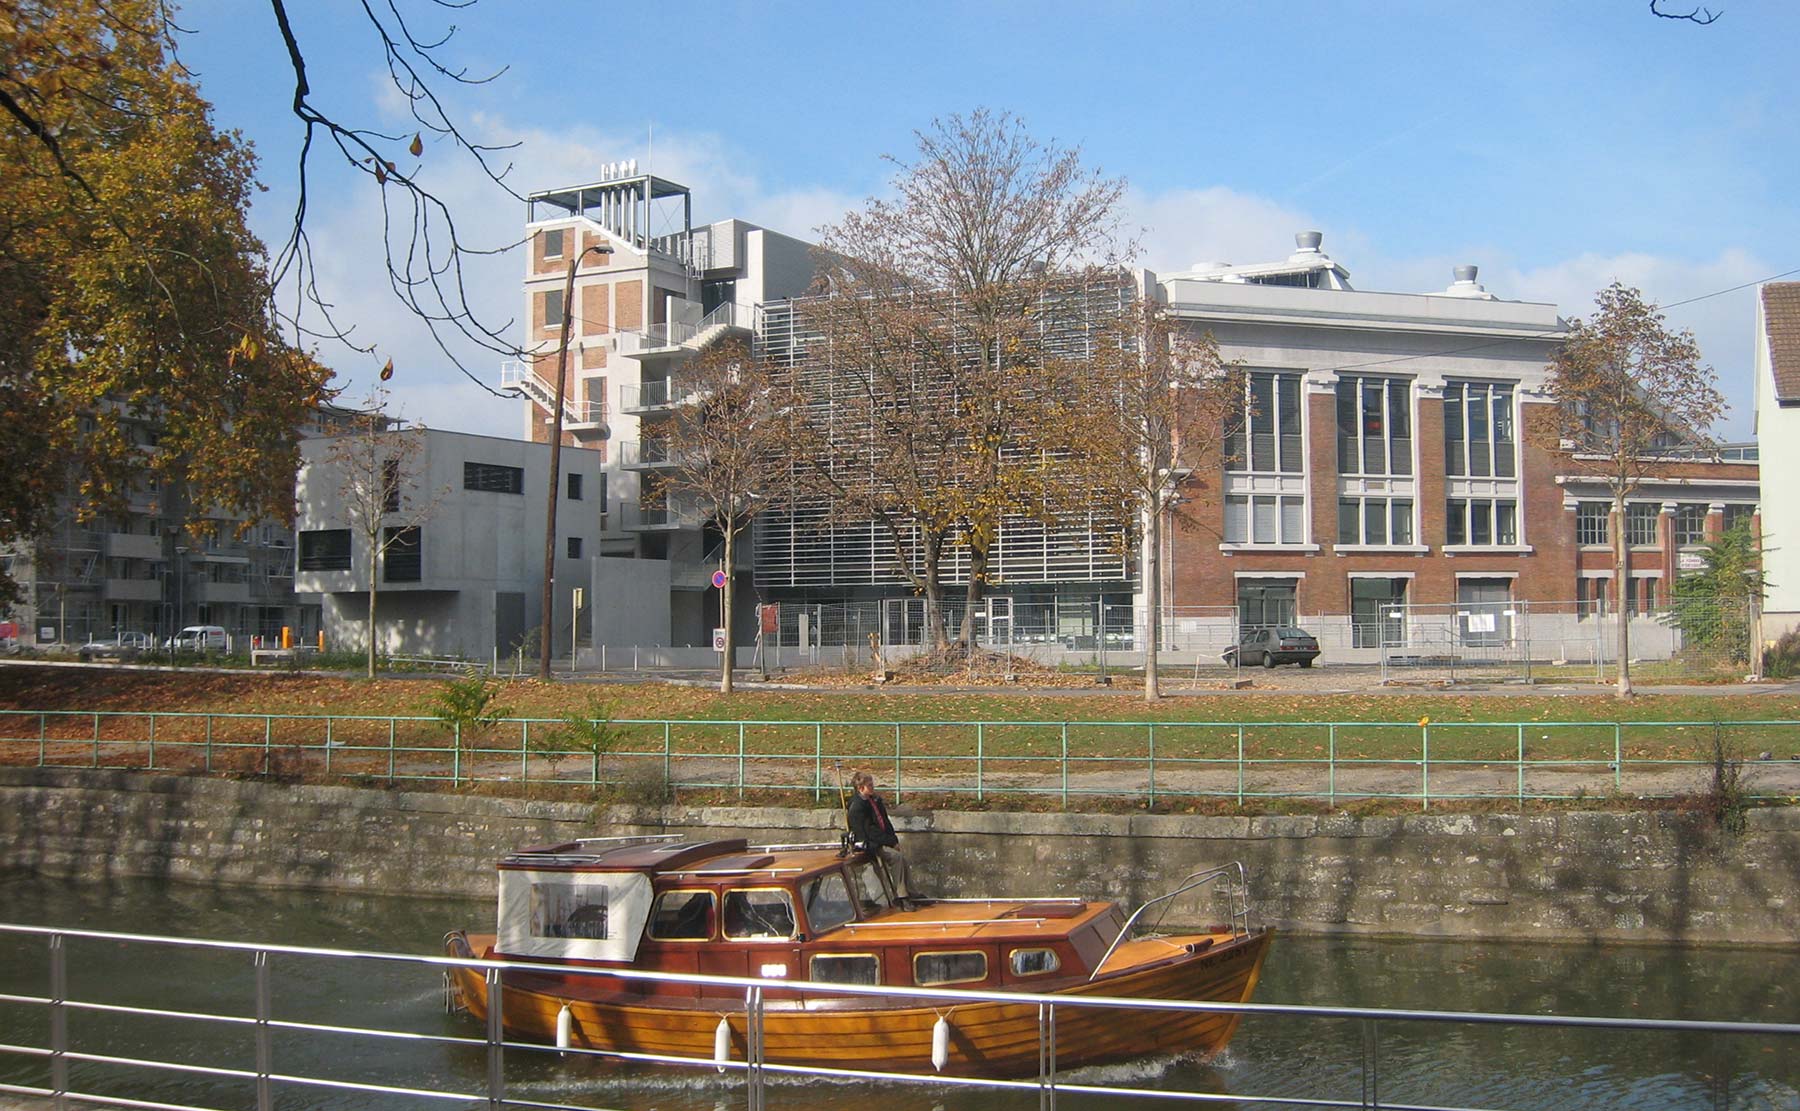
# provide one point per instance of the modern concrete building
(1778, 434)
(465, 577)
(650, 291)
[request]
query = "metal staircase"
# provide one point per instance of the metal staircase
(577, 415)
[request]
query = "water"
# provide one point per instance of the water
(1271, 1056)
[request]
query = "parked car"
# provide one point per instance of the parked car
(198, 638)
(125, 646)
(1271, 645)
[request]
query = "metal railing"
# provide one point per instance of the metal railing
(1425, 762)
(275, 1072)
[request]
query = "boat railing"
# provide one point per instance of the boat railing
(84, 1051)
(1239, 897)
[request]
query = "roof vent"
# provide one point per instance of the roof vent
(1465, 284)
(1308, 241)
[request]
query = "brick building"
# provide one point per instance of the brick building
(1392, 464)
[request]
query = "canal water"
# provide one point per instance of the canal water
(1271, 1056)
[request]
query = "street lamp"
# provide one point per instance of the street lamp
(556, 429)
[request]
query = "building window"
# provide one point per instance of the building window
(603, 504)
(1266, 436)
(1590, 597)
(1481, 522)
(403, 562)
(1478, 430)
(1640, 596)
(574, 487)
(1374, 426)
(1265, 602)
(390, 485)
(574, 547)
(1736, 515)
(1377, 612)
(553, 243)
(1484, 611)
(1690, 524)
(1592, 523)
(325, 550)
(1375, 521)
(493, 478)
(1640, 524)
(553, 309)
(1265, 519)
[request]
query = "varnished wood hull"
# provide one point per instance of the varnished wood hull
(987, 1039)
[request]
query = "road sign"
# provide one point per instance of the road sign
(718, 640)
(719, 579)
(771, 617)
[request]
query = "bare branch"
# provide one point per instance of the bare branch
(1702, 16)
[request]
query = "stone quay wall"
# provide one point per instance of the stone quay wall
(1632, 876)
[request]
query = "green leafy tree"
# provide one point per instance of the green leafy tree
(1713, 606)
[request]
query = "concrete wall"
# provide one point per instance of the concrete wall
(1618, 876)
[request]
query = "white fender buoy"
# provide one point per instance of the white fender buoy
(940, 1043)
(565, 1026)
(722, 1043)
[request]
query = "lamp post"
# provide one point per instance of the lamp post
(556, 430)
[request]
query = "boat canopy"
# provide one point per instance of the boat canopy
(577, 915)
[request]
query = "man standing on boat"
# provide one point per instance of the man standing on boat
(872, 832)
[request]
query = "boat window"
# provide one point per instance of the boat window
(857, 968)
(949, 968)
(827, 901)
(682, 916)
(759, 912)
(569, 910)
(869, 891)
(1034, 962)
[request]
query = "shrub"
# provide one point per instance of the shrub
(466, 705)
(1781, 660)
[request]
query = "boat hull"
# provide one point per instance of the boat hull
(986, 1039)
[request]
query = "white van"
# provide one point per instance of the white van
(198, 638)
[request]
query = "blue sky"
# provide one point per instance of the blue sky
(1559, 146)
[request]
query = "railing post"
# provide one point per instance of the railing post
(668, 758)
(818, 761)
(740, 789)
(96, 740)
(525, 751)
(1425, 767)
(1331, 764)
(456, 756)
(390, 752)
(496, 1041)
(1065, 765)
(265, 1095)
(42, 734)
(328, 738)
(268, 741)
(1521, 767)
(152, 742)
(897, 763)
(1152, 772)
(1371, 1065)
(209, 722)
(1618, 757)
(1240, 765)
(980, 758)
(59, 1020)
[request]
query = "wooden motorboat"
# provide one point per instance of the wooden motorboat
(819, 914)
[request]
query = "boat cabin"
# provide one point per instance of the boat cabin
(801, 912)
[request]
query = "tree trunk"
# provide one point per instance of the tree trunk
(978, 565)
(1621, 573)
(725, 606)
(374, 567)
(935, 626)
(1152, 598)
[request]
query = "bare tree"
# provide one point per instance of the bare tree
(1627, 391)
(376, 462)
(727, 451)
(1152, 417)
(941, 297)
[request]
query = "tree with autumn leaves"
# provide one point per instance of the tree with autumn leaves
(130, 284)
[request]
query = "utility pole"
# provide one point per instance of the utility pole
(556, 431)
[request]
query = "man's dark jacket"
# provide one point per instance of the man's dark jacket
(869, 824)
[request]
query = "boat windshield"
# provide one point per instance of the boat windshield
(759, 912)
(827, 901)
(869, 891)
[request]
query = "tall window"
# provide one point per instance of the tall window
(1690, 524)
(390, 485)
(1478, 430)
(1591, 519)
(553, 243)
(404, 560)
(1265, 519)
(1736, 515)
(574, 486)
(1266, 437)
(1481, 521)
(1372, 520)
(553, 308)
(1376, 614)
(1590, 597)
(1265, 602)
(1374, 426)
(1640, 524)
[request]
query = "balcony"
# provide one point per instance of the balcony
(126, 545)
(654, 396)
(657, 518)
(208, 592)
(134, 590)
(645, 455)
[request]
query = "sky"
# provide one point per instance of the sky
(1558, 146)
